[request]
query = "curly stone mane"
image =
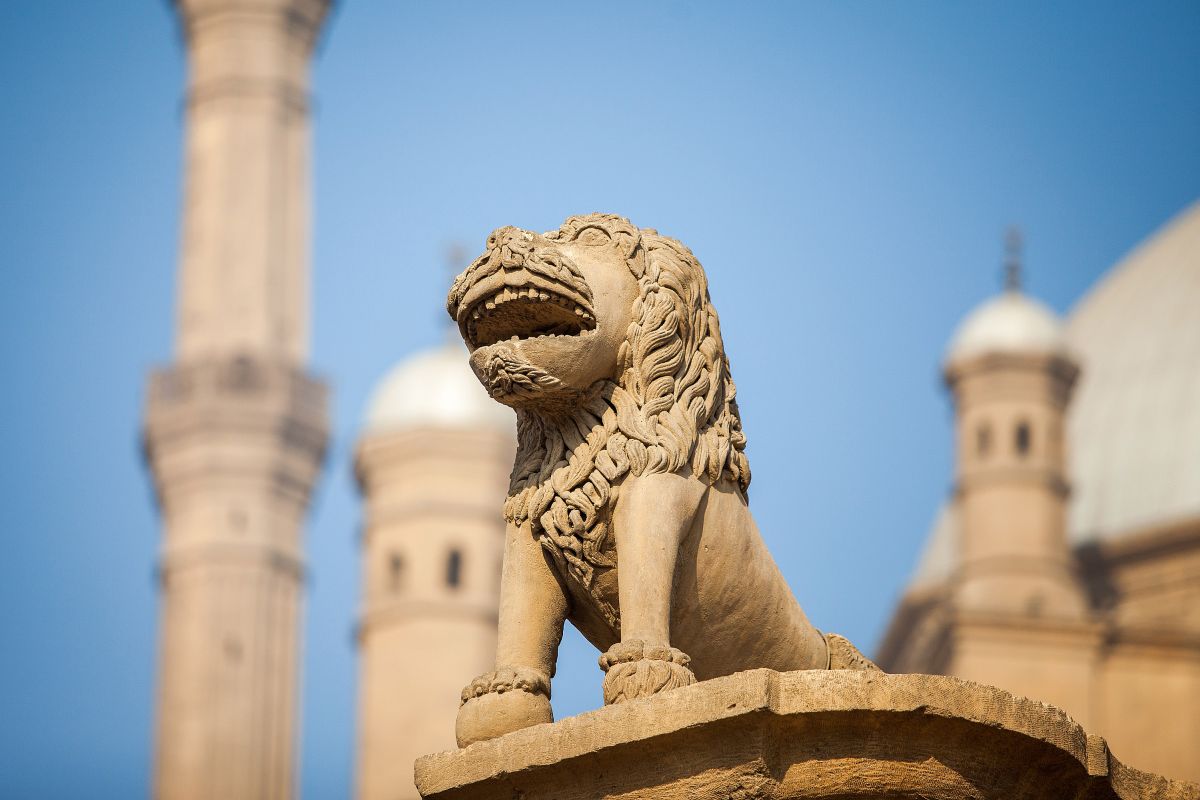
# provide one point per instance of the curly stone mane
(672, 410)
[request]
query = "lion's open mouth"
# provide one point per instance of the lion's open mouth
(528, 312)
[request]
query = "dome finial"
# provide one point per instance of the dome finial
(1012, 259)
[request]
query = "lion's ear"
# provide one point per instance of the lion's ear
(635, 258)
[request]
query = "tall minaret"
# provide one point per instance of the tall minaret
(235, 430)
(1011, 378)
(433, 464)
(1016, 594)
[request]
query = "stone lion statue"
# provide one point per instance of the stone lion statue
(627, 511)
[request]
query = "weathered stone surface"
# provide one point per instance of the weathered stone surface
(806, 734)
(630, 461)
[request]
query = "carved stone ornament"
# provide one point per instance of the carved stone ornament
(630, 462)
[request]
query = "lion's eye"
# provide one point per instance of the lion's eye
(593, 236)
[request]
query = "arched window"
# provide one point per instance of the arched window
(983, 439)
(395, 572)
(454, 569)
(1022, 439)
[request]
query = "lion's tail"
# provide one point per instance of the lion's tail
(844, 655)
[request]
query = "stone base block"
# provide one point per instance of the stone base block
(815, 734)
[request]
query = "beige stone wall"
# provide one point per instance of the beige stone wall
(1148, 703)
(429, 493)
(1012, 488)
(1149, 669)
(1047, 660)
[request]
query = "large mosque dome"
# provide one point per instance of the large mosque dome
(434, 388)
(1134, 423)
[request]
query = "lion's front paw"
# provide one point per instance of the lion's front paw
(502, 701)
(634, 669)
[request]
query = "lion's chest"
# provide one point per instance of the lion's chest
(586, 562)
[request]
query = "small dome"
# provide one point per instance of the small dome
(434, 388)
(1010, 323)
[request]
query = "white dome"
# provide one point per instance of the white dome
(1010, 323)
(434, 388)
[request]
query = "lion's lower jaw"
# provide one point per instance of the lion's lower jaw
(511, 379)
(633, 670)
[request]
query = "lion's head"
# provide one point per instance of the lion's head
(603, 337)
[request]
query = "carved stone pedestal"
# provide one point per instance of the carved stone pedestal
(812, 734)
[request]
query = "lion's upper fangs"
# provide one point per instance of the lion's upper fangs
(508, 294)
(515, 313)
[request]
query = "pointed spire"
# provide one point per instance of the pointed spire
(1012, 259)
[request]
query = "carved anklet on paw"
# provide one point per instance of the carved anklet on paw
(502, 701)
(634, 669)
(508, 679)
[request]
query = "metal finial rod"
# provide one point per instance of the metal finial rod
(1012, 259)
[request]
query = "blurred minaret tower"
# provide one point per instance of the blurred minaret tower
(1016, 594)
(1011, 377)
(236, 428)
(433, 463)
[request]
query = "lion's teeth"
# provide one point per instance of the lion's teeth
(490, 305)
(578, 311)
(475, 314)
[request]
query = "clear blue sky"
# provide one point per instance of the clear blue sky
(844, 171)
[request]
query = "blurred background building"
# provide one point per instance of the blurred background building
(1065, 566)
(432, 462)
(236, 428)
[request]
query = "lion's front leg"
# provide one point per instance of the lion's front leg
(654, 514)
(532, 610)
